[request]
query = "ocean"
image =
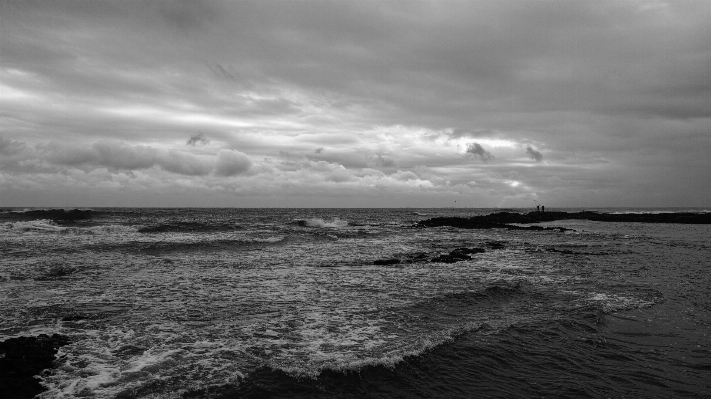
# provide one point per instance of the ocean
(357, 303)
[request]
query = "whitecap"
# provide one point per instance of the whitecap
(321, 223)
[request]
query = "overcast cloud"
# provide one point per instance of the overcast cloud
(349, 103)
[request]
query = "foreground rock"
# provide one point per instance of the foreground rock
(23, 358)
(504, 219)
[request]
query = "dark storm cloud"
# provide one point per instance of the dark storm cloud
(535, 155)
(479, 151)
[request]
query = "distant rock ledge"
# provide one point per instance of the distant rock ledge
(503, 219)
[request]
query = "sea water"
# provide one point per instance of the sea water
(202, 303)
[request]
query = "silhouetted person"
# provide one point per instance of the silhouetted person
(543, 208)
(538, 208)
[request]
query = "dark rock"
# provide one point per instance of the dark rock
(384, 262)
(503, 219)
(24, 357)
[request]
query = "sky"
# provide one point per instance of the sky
(355, 103)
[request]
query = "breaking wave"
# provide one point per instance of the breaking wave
(321, 223)
(50, 226)
(611, 303)
(345, 362)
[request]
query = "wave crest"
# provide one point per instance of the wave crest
(321, 223)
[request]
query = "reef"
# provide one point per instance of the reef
(22, 358)
(505, 219)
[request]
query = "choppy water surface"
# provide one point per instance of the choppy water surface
(163, 303)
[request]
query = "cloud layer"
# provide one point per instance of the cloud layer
(383, 104)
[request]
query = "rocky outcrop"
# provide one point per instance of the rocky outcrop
(23, 358)
(505, 219)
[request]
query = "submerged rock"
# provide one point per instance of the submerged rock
(23, 358)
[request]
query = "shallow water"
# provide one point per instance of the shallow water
(165, 303)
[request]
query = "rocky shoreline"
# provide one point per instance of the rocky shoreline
(22, 358)
(505, 219)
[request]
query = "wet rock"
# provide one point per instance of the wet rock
(24, 357)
